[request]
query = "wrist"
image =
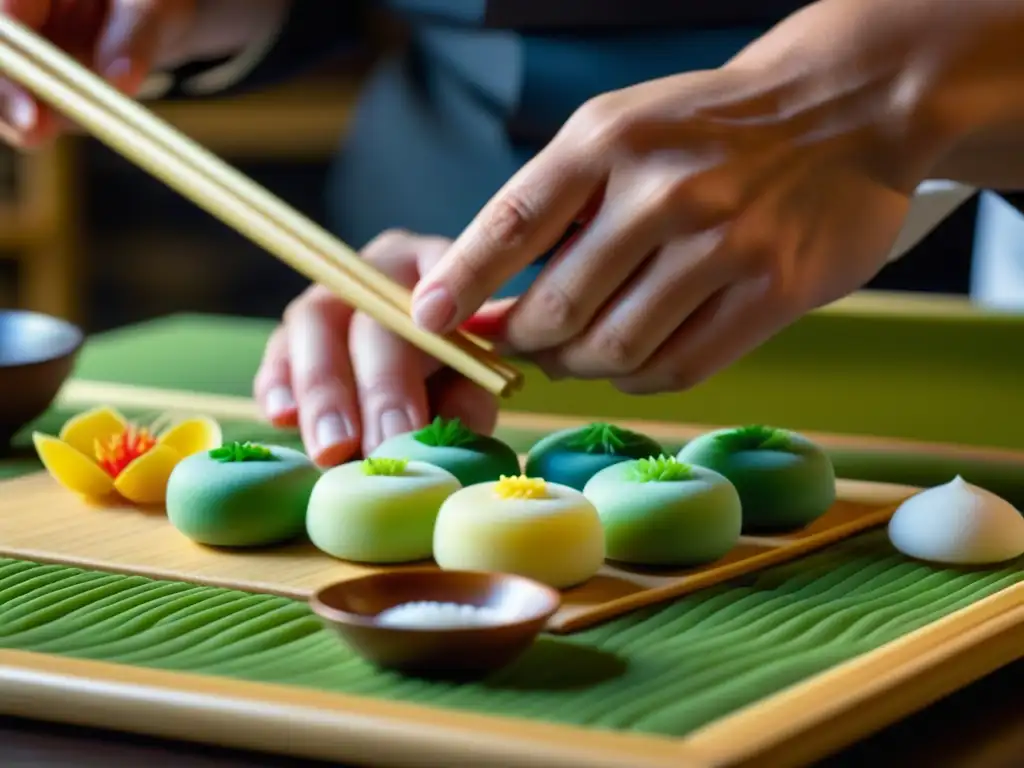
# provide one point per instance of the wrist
(883, 80)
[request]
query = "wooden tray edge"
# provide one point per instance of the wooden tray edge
(786, 729)
(783, 554)
(815, 717)
(301, 722)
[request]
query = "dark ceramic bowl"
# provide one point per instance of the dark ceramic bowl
(350, 608)
(37, 353)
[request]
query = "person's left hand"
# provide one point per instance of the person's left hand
(716, 210)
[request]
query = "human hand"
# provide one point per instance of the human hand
(347, 382)
(118, 39)
(717, 207)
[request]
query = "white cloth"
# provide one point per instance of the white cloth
(933, 202)
(997, 267)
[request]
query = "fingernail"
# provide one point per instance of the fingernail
(434, 310)
(332, 429)
(394, 422)
(279, 400)
(23, 113)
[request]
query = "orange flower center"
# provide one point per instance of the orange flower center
(118, 451)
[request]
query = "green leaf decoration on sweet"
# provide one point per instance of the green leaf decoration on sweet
(660, 469)
(754, 438)
(601, 437)
(230, 453)
(382, 466)
(445, 433)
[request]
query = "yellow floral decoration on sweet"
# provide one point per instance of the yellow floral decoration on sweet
(100, 454)
(521, 487)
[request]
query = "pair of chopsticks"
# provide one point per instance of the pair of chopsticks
(152, 144)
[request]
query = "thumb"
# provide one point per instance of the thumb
(137, 34)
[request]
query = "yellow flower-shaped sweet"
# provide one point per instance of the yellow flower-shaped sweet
(100, 454)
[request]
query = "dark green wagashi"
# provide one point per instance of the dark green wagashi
(449, 444)
(785, 480)
(572, 456)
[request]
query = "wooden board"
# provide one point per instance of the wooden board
(791, 728)
(41, 521)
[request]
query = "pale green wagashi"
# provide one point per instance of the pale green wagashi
(661, 512)
(785, 480)
(378, 510)
(241, 495)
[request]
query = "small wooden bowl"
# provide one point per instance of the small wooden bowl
(37, 353)
(351, 607)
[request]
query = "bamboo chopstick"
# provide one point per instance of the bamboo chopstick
(227, 194)
(271, 206)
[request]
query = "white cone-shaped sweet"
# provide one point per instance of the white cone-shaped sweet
(958, 523)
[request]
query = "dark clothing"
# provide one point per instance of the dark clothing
(483, 85)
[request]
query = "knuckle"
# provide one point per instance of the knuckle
(656, 382)
(635, 386)
(557, 309)
(510, 220)
(600, 123)
(387, 242)
(665, 196)
(319, 384)
(274, 364)
(293, 308)
(776, 284)
(383, 384)
(615, 350)
(683, 378)
(276, 349)
(312, 297)
(384, 390)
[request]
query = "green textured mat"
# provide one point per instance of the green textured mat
(664, 671)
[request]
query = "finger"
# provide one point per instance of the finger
(136, 35)
(455, 397)
(390, 373)
(727, 326)
(317, 330)
(272, 386)
(491, 321)
(680, 278)
(73, 26)
(19, 110)
(20, 114)
(522, 222)
(31, 13)
(572, 288)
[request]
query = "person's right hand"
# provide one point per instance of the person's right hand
(347, 382)
(121, 40)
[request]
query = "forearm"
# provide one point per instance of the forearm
(943, 79)
(989, 159)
